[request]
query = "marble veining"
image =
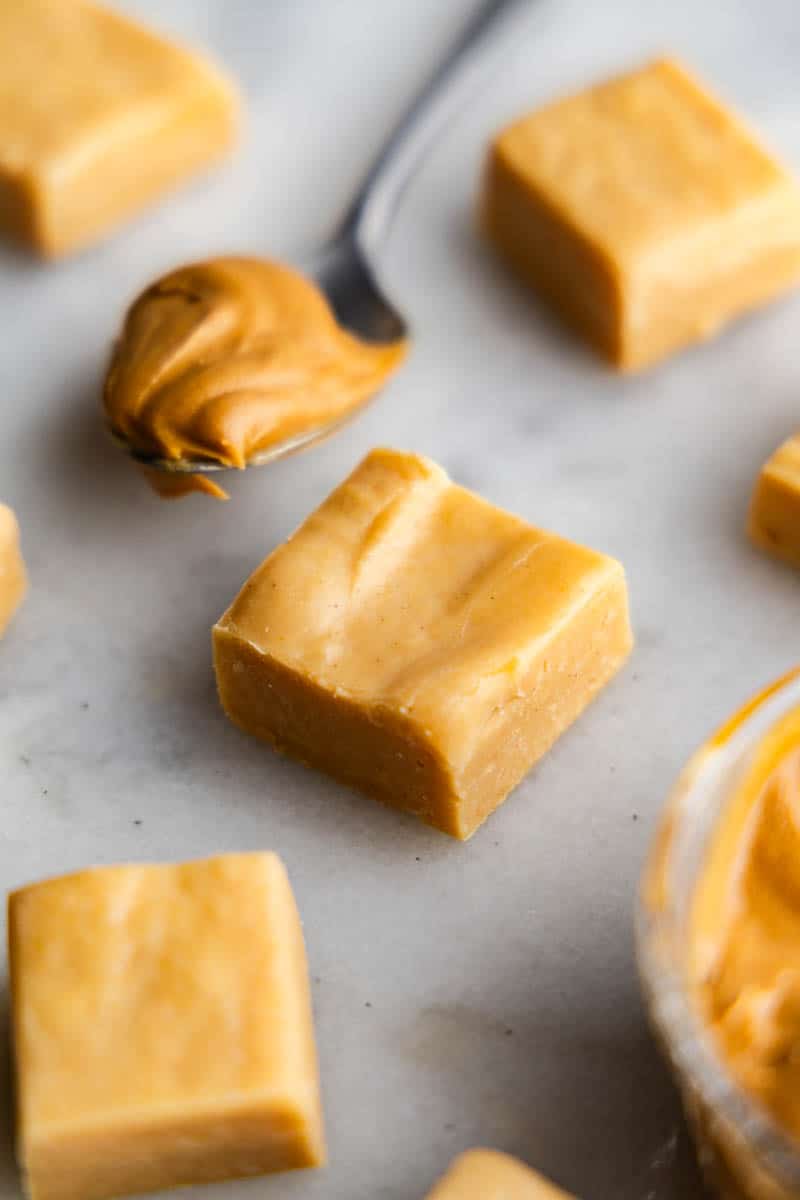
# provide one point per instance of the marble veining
(112, 746)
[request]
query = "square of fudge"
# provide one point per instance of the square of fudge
(162, 1028)
(644, 211)
(98, 117)
(775, 508)
(420, 644)
(489, 1175)
(13, 580)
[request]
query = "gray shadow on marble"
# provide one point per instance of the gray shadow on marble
(186, 720)
(624, 1133)
(82, 473)
(608, 1120)
(511, 298)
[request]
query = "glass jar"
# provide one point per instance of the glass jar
(744, 1153)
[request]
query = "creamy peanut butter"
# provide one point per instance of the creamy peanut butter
(172, 485)
(224, 359)
(745, 931)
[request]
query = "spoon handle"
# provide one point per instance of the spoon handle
(466, 64)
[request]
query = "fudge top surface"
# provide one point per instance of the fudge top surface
(408, 591)
(642, 159)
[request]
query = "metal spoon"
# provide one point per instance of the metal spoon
(343, 268)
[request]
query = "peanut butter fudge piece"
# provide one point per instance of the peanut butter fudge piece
(644, 211)
(487, 1175)
(775, 508)
(162, 1028)
(98, 117)
(420, 644)
(13, 580)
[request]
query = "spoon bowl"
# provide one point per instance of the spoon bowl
(342, 269)
(342, 273)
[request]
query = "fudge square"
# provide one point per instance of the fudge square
(98, 117)
(775, 508)
(644, 211)
(13, 580)
(162, 1028)
(488, 1175)
(418, 643)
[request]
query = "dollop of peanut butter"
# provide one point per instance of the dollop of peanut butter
(745, 929)
(224, 359)
(174, 485)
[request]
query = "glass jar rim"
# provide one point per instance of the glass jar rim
(670, 872)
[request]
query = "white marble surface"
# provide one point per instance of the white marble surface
(464, 994)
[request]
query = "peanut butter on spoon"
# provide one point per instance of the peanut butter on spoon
(222, 359)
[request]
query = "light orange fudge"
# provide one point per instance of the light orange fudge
(644, 211)
(13, 579)
(162, 1028)
(488, 1175)
(774, 522)
(98, 117)
(420, 644)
